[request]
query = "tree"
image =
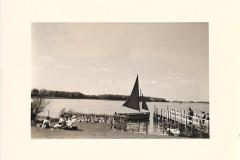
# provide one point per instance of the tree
(38, 105)
(34, 92)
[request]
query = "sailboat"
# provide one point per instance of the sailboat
(137, 102)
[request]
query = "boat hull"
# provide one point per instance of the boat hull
(136, 116)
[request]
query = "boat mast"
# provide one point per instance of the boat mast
(140, 100)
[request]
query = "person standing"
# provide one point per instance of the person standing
(203, 117)
(190, 115)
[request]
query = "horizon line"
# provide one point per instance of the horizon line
(122, 95)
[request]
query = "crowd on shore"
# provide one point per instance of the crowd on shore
(93, 118)
(70, 121)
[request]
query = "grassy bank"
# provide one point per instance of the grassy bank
(90, 131)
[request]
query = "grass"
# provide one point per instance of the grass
(90, 131)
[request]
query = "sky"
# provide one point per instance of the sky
(171, 59)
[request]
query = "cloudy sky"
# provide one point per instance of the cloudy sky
(171, 59)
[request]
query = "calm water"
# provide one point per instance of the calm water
(109, 107)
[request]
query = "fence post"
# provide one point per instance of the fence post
(170, 115)
(155, 114)
(199, 123)
(161, 116)
(181, 116)
(186, 119)
(207, 126)
(167, 115)
(175, 117)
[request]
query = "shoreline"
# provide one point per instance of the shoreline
(97, 99)
(92, 131)
(168, 101)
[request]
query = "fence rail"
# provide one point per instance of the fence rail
(181, 117)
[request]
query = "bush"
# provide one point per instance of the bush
(38, 105)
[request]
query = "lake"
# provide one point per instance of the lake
(110, 107)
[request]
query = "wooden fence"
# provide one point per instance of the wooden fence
(181, 117)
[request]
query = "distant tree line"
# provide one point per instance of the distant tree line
(78, 95)
(206, 102)
(56, 94)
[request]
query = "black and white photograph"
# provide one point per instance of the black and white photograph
(120, 80)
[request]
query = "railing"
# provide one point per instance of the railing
(181, 117)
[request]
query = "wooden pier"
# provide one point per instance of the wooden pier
(173, 116)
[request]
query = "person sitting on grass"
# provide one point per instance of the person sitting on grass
(46, 123)
(74, 119)
(60, 123)
(71, 123)
(113, 124)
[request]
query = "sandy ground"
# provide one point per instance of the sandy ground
(90, 131)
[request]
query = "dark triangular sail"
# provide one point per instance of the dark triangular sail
(133, 100)
(144, 104)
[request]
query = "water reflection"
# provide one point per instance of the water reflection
(137, 127)
(146, 128)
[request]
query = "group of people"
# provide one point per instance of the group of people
(64, 123)
(116, 122)
(94, 118)
(203, 118)
(68, 122)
